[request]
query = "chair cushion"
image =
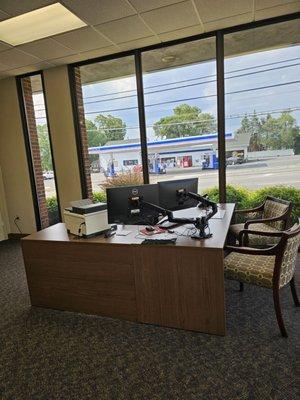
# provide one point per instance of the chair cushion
(256, 240)
(249, 268)
(274, 209)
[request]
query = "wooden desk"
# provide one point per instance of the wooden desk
(179, 286)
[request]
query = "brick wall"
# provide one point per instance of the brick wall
(83, 133)
(35, 151)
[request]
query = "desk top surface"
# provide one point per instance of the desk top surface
(218, 227)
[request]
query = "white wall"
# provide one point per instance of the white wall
(4, 222)
(256, 155)
(13, 161)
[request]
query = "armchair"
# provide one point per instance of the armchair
(271, 216)
(272, 267)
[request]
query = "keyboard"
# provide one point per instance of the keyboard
(159, 241)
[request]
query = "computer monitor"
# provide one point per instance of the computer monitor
(122, 207)
(172, 194)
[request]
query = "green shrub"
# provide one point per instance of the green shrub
(99, 197)
(52, 205)
(235, 194)
(245, 198)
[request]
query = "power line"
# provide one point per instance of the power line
(193, 79)
(188, 80)
(233, 116)
(193, 98)
(192, 84)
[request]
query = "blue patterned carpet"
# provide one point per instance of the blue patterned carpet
(47, 354)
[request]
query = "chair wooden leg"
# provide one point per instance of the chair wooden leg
(294, 292)
(241, 286)
(278, 311)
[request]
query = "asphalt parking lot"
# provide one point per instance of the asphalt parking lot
(253, 175)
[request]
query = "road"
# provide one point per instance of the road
(276, 171)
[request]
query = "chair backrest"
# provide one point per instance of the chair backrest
(274, 208)
(290, 243)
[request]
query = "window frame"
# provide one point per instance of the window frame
(28, 146)
(137, 53)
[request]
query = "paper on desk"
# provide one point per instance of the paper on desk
(123, 232)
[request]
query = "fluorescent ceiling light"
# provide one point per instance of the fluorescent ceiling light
(38, 24)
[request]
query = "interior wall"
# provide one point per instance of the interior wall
(13, 161)
(61, 124)
(4, 223)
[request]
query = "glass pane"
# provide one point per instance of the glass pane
(181, 109)
(41, 155)
(262, 86)
(111, 119)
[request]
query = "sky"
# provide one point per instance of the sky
(274, 67)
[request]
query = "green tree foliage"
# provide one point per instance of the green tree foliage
(104, 129)
(45, 148)
(186, 121)
(271, 133)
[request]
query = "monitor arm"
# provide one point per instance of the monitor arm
(200, 223)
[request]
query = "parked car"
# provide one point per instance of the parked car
(48, 175)
(234, 160)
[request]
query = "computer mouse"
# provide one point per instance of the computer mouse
(149, 228)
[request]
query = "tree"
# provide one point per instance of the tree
(270, 133)
(112, 127)
(186, 121)
(95, 137)
(45, 149)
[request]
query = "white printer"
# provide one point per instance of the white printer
(85, 218)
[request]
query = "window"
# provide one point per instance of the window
(180, 136)
(40, 157)
(181, 108)
(109, 122)
(127, 163)
(262, 69)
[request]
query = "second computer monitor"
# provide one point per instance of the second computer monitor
(172, 194)
(123, 210)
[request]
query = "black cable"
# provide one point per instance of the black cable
(15, 222)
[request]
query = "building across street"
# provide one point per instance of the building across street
(182, 152)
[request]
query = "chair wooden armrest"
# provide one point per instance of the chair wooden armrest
(258, 233)
(270, 251)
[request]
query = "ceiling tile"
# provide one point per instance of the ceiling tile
(3, 16)
(125, 29)
(83, 39)
(260, 4)
(96, 12)
(17, 7)
(288, 8)
(219, 9)
(172, 17)
(4, 46)
(29, 68)
(14, 58)
(136, 44)
(228, 22)
(86, 55)
(3, 67)
(142, 5)
(46, 49)
(181, 33)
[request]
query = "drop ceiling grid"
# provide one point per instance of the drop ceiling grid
(128, 24)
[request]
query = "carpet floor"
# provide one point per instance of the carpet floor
(47, 354)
